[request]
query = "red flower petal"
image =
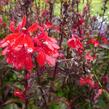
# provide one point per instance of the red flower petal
(11, 37)
(1, 20)
(23, 21)
(19, 93)
(50, 60)
(41, 58)
(71, 43)
(33, 27)
(29, 42)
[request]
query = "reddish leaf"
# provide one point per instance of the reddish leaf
(21, 24)
(12, 26)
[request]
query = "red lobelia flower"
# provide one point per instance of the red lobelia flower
(94, 42)
(89, 57)
(19, 45)
(20, 37)
(20, 94)
(87, 81)
(20, 59)
(104, 40)
(75, 43)
(46, 48)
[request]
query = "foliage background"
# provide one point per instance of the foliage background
(59, 90)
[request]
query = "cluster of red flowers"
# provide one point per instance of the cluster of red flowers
(46, 48)
(88, 80)
(19, 46)
(76, 43)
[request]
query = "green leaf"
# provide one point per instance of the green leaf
(60, 93)
(58, 106)
(102, 104)
(54, 106)
(104, 46)
(11, 106)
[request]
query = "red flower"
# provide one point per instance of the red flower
(41, 58)
(19, 93)
(89, 57)
(104, 40)
(98, 94)
(46, 48)
(1, 20)
(19, 45)
(19, 38)
(87, 81)
(75, 43)
(48, 25)
(94, 42)
(20, 59)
